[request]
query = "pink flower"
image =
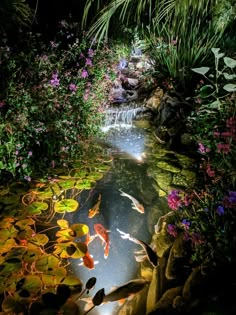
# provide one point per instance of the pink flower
(88, 62)
(84, 74)
(174, 199)
(72, 87)
(223, 147)
(202, 149)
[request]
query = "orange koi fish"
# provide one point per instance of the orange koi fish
(136, 204)
(102, 233)
(87, 259)
(95, 209)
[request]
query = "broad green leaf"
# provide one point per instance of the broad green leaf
(71, 249)
(230, 87)
(72, 281)
(25, 223)
(11, 306)
(216, 53)
(59, 272)
(12, 267)
(32, 284)
(47, 263)
(229, 76)
(9, 232)
(83, 184)
(6, 223)
(39, 239)
(67, 184)
(202, 70)
(66, 205)
(231, 63)
(32, 255)
(80, 229)
(5, 246)
(64, 224)
(51, 280)
(65, 235)
(206, 91)
(36, 207)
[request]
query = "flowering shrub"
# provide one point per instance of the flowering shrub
(55, 94)
(206, 222)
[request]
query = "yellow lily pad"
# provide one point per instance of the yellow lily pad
(66, 205)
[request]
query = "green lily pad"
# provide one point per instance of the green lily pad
(11, 306)
(6, 223)
(83, 184)
(80, 229)
(25, 223)
(72, 281)
(65, 235)
(12, 266)
(6, 246)
(7, 233)
(39, 239)
(71, 249)
(51, 280)
(47, 263)
(32, 284)
(66, 205)
(36, 207)
(67, 184)
(64, 224)
(32, 255)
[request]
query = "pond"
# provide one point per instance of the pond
(128, 173)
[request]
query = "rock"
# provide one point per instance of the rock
(155, 99)
(164, 305)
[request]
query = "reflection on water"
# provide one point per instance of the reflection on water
(128, 174)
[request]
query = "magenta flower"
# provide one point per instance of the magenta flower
(203, 149)
(223, 147)
(171, 229)
(88, 62)
(90, 52)
(84, 74)
(72, 87)
(174, 199)
(55, 81)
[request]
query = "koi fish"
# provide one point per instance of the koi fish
(127, 290)
(88, 261)
(95, 209)
(102, 233)
(148, 251)
(136, 204)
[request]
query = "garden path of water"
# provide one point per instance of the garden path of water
(129, 173)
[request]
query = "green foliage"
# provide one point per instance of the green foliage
(213, 122)
(33, 260)
(52, 100)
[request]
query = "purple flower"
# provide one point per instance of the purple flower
(90, 52)
(30, 153)
(55, 81)
(174, 200)
(196, 238)
(72, 87)
(171, 229)
(186, 224)
(202, 148)
(220, 210)
(88, 62)
(84, 74)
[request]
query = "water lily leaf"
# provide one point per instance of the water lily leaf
(46, 194)
(5, 246)
(72, 281)
(25, 223)
(80, 229)
(3, 286)
(39, 239)
(47, 263)
(67, 184)
(32, 284)
(65, 235)
(59, 272)
(231, 63)
(51, 280)
(6, 222)
(9, 232)
(66, 205)
(32, 255)
(64, 224)
(25, 235)
(201, 70)
(9, 268)
(71, 249)
(11, 306)
(36, 207)
(83, 184)
(230, 87)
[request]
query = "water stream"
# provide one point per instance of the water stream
(129, 173)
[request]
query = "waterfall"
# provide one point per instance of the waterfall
(121, 117)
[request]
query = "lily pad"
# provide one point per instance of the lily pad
(6, 222)
(64, 224)
(36, 207)
(71, 249)
(65, 235)
(66, 205)
(6, 246)
(39, 239)
(47, 263)
(25, 223)
(7, 233)
(32, 284)
(67, 184)
(80, 229)
(11, 306)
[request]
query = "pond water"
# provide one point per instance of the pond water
(129, 173)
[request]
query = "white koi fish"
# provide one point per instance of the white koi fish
(149, 252)
(136, 204)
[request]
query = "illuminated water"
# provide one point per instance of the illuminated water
(128, 173)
